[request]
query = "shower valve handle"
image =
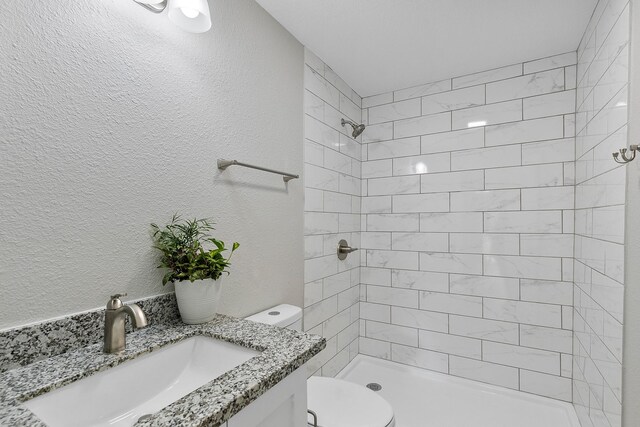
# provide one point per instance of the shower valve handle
(344, 249)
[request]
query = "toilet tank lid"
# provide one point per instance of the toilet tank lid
(280, 315)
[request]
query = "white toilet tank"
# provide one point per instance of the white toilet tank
(283, 315)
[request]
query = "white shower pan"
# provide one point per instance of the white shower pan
(423, 398)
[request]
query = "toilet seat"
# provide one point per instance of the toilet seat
(340, 403)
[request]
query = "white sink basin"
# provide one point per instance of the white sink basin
(121, 395)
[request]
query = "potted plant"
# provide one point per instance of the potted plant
(195, 264)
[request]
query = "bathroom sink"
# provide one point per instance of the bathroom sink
(120, 396)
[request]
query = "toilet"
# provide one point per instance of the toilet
(337, 403)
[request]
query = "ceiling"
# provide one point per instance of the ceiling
(381, 45)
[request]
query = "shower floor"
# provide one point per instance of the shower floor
(423, 398)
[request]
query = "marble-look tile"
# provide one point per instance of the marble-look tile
(375, 276)
(549, 105)
(555, 245)
(450, 344)
(546, 291)
(488, 76)
(379, 132)
(490, 330)
(392, 259)
(392, 333)
(350, 109)
(525, 131)
(422, 90)
(420, 358)
(525, 176)
(377, 204)
(379, 240)
(422, 125)
(397, 185)
(377, 312)
(333, 285)
(316, 84)
(418, 165)
(557, 150)
(500, 375)
(451, 222)
(317, 268)
(521, 357)
(313, 200)
(551, 62)
(313, 106)
(336, 202)
(393, 222)
(320, 133)
(396, 148)
(372, 101)
(453, 304)
(548, 198)
(491, 114)
(523, 222)
(453, 181)
(527, 85)
(377, 168)
(432, 202)
(551, 339)
(523, 267)
(420, 319)
(428, 242)
(484, 158)
(392, 296)
(320, 223)
(313, 153)
(374, 348)
(546, 385)
(523, 312)
(453, 100)
(483, 243)
(336, 161)
(490, 200)
(420, 280)
(451, 263)
(453, 141)
(312, 60)
(394, 111)
(484, 286)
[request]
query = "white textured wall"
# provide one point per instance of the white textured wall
(111, 118)
(601, 129)
(468, 232)
(332, 212)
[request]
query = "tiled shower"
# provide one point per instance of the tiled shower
(490, 218)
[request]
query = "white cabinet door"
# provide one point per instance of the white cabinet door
(284, 405)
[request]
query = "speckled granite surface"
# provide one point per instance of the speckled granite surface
(283, 351)
(24, 345)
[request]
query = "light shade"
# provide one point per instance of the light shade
(190, 15)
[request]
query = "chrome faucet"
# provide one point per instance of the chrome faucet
(114, 320)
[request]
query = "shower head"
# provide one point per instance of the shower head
(357, 129)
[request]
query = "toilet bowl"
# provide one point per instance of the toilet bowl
(337, 403)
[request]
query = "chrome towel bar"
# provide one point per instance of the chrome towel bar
(223, 164)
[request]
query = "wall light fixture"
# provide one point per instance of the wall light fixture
(190, 15)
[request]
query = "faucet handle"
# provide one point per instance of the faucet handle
(115, 303)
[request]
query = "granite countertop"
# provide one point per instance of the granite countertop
(282, 352)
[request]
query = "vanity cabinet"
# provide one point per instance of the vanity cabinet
(283, 405)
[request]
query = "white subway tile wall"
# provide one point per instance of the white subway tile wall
(332, 212)
(468, 222)
(603, 60)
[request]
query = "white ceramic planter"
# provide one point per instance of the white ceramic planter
(198, 301)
